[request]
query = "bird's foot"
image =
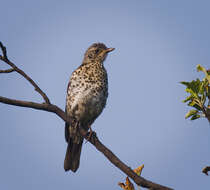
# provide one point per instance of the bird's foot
(89, 134)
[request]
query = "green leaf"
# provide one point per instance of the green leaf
(189, 90)
(185, 83)
(196, 106)
(200, 68)
(190, 113)
(203, 99)
(202, 88)
(199, 92)
(193, 87)
(208, 78)
(208, 92)
(194, 117)
(192, 103)
(187, 99)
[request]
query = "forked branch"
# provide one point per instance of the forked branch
(47, 106)
(21, 72)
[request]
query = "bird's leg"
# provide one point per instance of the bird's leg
(90, 133)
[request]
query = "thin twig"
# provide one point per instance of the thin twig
(206, 170)
(21, 72)
(7, 71)
(206, 113)
(4, 50)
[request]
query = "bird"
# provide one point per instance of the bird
(86, 98)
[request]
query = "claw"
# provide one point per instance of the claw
(89, 134)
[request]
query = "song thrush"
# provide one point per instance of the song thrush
(86, 98)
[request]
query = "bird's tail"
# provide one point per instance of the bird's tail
(72, 157)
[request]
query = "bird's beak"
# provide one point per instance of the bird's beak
(109, 50)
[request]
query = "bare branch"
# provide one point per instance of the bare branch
(4, 50)
(206, 170)
(93, 140)
(206, 112)
(27, 104)
(7, 71)
(21, 72)
(123, 167)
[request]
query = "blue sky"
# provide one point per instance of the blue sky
(158, 44)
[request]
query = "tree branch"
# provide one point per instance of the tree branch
(4, 50)
(206, 170)
(7, 71)
(93, 140)
(5, 59)
(206, 112)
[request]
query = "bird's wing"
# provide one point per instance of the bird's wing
(66, 124)
(66, 130)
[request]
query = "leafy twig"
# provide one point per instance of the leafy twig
(199, 92)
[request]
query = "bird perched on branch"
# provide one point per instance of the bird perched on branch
(87, 93)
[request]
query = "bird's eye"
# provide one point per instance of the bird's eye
(96, 51)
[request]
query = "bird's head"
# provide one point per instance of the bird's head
(96, 52)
